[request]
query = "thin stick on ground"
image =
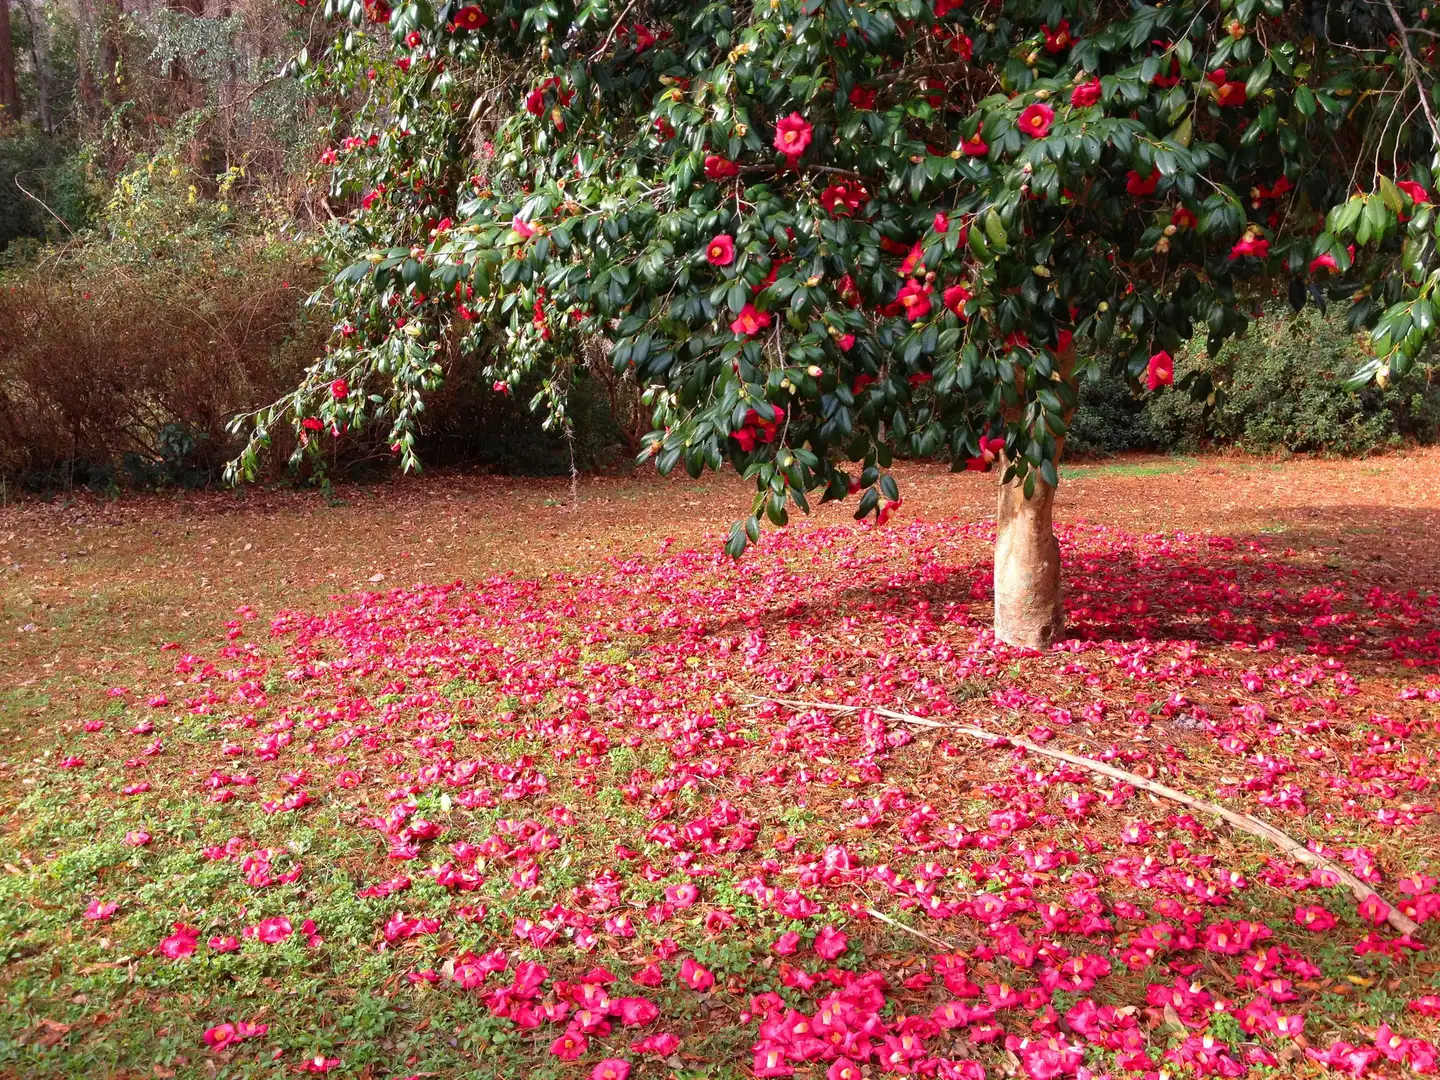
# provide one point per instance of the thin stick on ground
(874, 914)
(1244, 822)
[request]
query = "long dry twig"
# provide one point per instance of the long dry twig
(1412, 66)
(1244, 822)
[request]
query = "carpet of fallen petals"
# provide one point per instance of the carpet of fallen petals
(548, 820)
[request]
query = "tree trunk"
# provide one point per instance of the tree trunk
(1028, 609)
(40, 56)
(9, 86)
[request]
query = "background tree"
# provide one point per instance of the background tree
(824, 231)
(9, 85)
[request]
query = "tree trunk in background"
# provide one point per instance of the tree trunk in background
(9, 86)
(41, 59)
(111, 15)
(1028, 608)
(85, 60)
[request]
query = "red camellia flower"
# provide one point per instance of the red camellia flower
(1183, 218)
(1256, 246)
(1058, 39)
(721, 250)
(1227, 93)
(750, 321)
(1417, 193)
(412, 39)
(792, 135)
(719, 168)
(1324, 262)
(862, 98)
(470, 18)
(311, 423)
(955, 297)
(914, 300)
(975, 146)
(1138, 185)
(1086, 94)
(990, 449)
(843, 199)
(339, 389)
(1036, 119)
(1160, 371)
(912, 259)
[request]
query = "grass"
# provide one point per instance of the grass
(571, 711)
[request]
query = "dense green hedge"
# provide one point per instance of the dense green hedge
(1283, 389)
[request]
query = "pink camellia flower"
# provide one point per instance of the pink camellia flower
(319, 1064)
(662, 1044)
(181, 943)
(682, 895)
(100, 910)
(787, 943)
(770, 1061)
(137, 838)
(792, 135)
(634, 1011)
(1160, 371)
(570, 1045)
(223, 943)
(611, 1069)
(1374, 910)
(522, 228)
(650, 975)
(830, 942)
(220, 1036)
(721, 250)
(271, 931)
(1036, 118)
(842, 1068)
(1314, 918)
(695, 976)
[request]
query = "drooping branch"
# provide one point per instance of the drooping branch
(1412, 66)
(1244, 822)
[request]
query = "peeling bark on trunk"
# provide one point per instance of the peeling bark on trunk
(1028, 611)
(1028, 608)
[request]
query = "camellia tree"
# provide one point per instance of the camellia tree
(826, 232)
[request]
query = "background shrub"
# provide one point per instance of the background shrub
(1284, 389)
(114, 373)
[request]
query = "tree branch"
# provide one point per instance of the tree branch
(1413, 67)
(1244, 822)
